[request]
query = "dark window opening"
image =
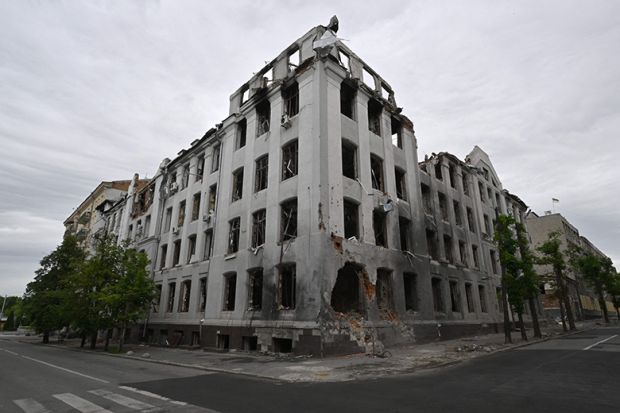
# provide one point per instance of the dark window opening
(347, 100)
(426, 199)
(351, 219)
(171, 293)
(230, 289)
(258, 227)
(404, 227)
(255, 299)
(443, 207)
(483, 298)
(379, 228)
(282, 345)
(249, 343)
(237, 185)
(498, 297)
(185, 178)
(233, 235)
(481, 190)
(458, 216)
(438, 305)
(289, 160)
(397, 133)
(215, 160)
(470, 298)
(223, 341)
(242, 131)
(200, 167)
(212, 198)
(186, 288)
(290, 95)
(162, 259)
(465, 184)
(157, 300)
(401, 183)
(374, 116)
(438, 173)
(493, 262)
(261, 178)
(346, 292)
(286, 286)
(376, 172)
(463, 253)
(455, 297)
(196, 207)
(202, 299)
(431, 241)
(191, 248)
(288, 220)
(470, 220)
(410, 284)
(349, 160)
(176, 256)
(181, 216)
(208, 245)
(474, 255)
(452, 173)
(447, 244)
(263, 116)
(384, 289)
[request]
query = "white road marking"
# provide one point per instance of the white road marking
(31, 406)
(122, 400)
(64, 369)
(600, 342)
(80, 404)
(10, 352)
(153, 395)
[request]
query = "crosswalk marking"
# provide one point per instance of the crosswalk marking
(122, 400)
(80, 404)
(30, 406)
(153, 395)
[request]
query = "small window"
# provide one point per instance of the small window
(230, 290)
(379, 227)
(431, 241)
(258, 227)
(447, 244)
(212, 198)
(255, 289)
(162, 256)
(200, 167)
(263, 116)
(286, 287)
(176, 256)
(171, 293)
(208, 245)
(483, 298)
(385, 299)
(438, 305)
(455, 297)
(401, 183)
(290, 95)
(374, 116)
(196, 206)
(289, 160)
(233, 235)
(397, 133)
(351, 219)
(288, 220)
(443, 206)
(215, 159)
(147, 225)
(172, 185)
(376, 172)
(474, 255)
(237, 185)
(404, 227)
(469, 295)
(191, 248)
(347, 100)
(349, 160)
(410, 284)
(202, 298)
(181, 216)
(261, 178)
(186, 288)
(458, 216)
(242, 131)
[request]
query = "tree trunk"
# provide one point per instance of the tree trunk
(562, 316)
(603, 304)
(507, 336)
(566, 300)
(93, 340)
(46, 337)
(618, 313)
(534, 312)
(108, 333)
(522, 326)
(121, 339)
(83, 340)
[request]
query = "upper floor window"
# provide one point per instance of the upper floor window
(242, 129)
(215, 159)
(374, 116)
(376, 172)
(237, 185)
(200, 167)
(289, 160)
(347, 100)
(288, 219)
(397, 133)
(290, 95)
(233, 235)
(263, 117)
(260, 178)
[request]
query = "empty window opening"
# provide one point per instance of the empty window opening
(294, 59)
(443, 206)
(379, 227)
(346, 292)
(347, 100)
(452, 173)
(455, 297)
(397, 132)
(212, 198)
(289, 160)
(191, 248)
(286, 287)
(215, 159)
(245, 94)
(162, 259)
(223, 341)
(258, 227)
(481, 190)
(171, 293)
(249, 343)
(404, 228)
(242, 131)
(181, 216)
(230, 290)
(263, 117)
(344, 59)
(290, 95)
(401, 183)
(410, 285)
(447, 244)
(431, 241)
(186, 289)
(196, 206)
(368, 79)
(157, 300)
(261, 179)
(438, 173)
(438, 304)
(493, 261)
(489, 195)
(349, 160)
(237, 184)
(288, 219)
(474, 255)
(208, 245)
(497, 202)
(384, 289)
(185, 180)
(233, 235)
(255, 289)
(200, 167)
(176, 253)
(470, 220)
(469, 295)
(202, 298)
(458, 216)
(465, 184)
(282, 345)
(374, 116)
(351, 219)
(483, 298)
(385, 92)
(376, 172)
(463, 253)
(426, 199)
(487, 224)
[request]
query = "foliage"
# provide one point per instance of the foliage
(12, 311)
(598, 271)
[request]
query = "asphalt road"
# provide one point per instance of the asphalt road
(578, 373)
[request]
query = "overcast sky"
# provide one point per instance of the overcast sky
(93, 91)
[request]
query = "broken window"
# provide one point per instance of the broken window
(186, 288)
(465, 184)
(344, 59)
(349, 159)
(384, 289)
(463, 253)
(455, 297)
(447, 244)
(212, 198)
(215, 159)
(181, 216)
(426, 199)
(255, 289)
(438, 173)
(438, 305)
(346, 292)
(202, 298)
(347, 100)
(401, 183)
(290, 95)
(493, 261)
(208, 245)
(443, 206)
(474, 255)
(171, 293)
(288, 219)
(172, 185)
(351, 219)
(162, 256)
(452, 173)
(242, 131)
(368, 79)
(230, 290)
(196, 206)
(286, 286)
(458, 216)
(185, 178)
(191, 248)
(168, 220)
(237, 185)
(483, 298)
(374, 116)
(470, 220)
(258, 227)
(397, 133)
(376, 172)
(404, 227)
(470, 298)
(200, 167)
(289, 160)
(233, 235)
(176, 256)
(410, 285)
(379, 227)
(294, 59)
(431, 241)
(157, 299)
(263, 116)
(244, 95)
(481, 190)
(260, 180)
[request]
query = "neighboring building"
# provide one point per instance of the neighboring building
(583, 300)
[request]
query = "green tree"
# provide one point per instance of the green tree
(530, 278)
(552, 255)
(614, 291)
(46, 298)
(597, 271)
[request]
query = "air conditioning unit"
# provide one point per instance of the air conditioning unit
(175, 231)
(285, 121)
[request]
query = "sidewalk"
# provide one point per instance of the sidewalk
(403, 360)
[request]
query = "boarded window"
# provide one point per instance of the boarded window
(263, 116)
(288, 219)
(438, 304)
(196, 206)
(374, 116)
(401, 183)
(258, 227)
(233, 235)
(376, 172)
(255, 289)
(230, 290)
(242, 132)
(384, 289)
(379, 227)
(455, 297)
(410, 285)
(289, 160)
(349, 160)
(260, 180)
(347, 100)
(290, 95)
(171, 293)
(351, 219)
(186, 288)
(286, 286)
(397, 133)
(237, 185)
